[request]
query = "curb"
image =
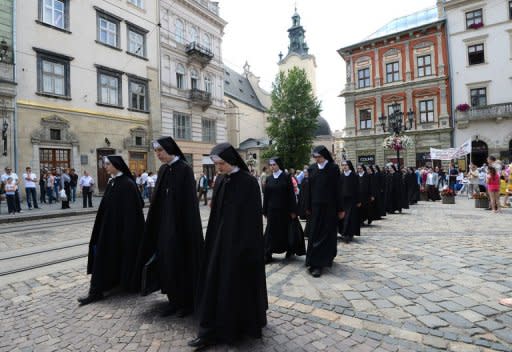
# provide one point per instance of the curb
(10, 220)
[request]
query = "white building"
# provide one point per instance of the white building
(192, 79)
(87, 74)
(480, 47)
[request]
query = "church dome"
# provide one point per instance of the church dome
(323, 128)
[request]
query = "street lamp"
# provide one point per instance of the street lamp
(5, 127)
(3, 50)
(395, 124)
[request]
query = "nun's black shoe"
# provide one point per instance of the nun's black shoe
(316, 272)
(201, 342)
(268, 259)
(289, 255)
(90, 298)
(183, 312)
(171, 309)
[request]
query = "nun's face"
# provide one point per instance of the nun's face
(345, 167)
(111, 170)
(162, 155)
(223, 167)
(369, 171)
(319, 158)
(273, 166)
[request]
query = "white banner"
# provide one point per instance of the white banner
(442, 154)
(463, 150)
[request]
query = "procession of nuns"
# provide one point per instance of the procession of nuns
(220, 278)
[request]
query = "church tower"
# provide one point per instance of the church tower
(298, 52)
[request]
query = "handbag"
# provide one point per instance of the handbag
(62, 195)
(149, 281)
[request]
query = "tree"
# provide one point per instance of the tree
(293, 118)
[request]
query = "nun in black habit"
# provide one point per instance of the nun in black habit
(116, 234)
(303, 196)
(412, 186)
(364, 195)
(396, 190)
(405, 189)
(325, 205)
(233, 292)
(173, 230)
(280, 209)
(373, 209)
(381, 192)
(350, 225)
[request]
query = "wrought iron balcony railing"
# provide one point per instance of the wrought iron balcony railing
(198, 52)
(486, 112)
(201, 98)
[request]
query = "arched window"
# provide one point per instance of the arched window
(180, 31)
(207, 41)
(194, 35)
(180, 76)
(193, 79)
(208, 84)
(479, 152)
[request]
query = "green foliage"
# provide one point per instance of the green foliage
(293, 118)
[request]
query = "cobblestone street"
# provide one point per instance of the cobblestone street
(427, 280)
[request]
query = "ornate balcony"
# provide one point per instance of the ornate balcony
(200, 98)
(198, 53)
(495, 111)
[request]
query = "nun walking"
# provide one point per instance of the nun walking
(174, 235)
(326, 207)
(116, 234)
(373, 209)
(364, 195)
(280, 209)
(233, 300)
(396, 190)
(350, 225)
(381, 191)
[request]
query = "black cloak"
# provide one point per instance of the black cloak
(324, 203)
(364, 196)
(373, 209)
(174, 233)
(233, 292)
(395, 191)
(381, 191)
(278, 203)
(116, 236)
(350, 225)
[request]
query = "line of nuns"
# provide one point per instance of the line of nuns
(334, 203)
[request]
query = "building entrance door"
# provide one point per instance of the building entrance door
(479, 153)
(54, 158)
(102, 174)
(138, 162)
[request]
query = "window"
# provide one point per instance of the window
(193, 79)
(365, 119)
(478, 96)
(180, 74)
(182, 128)
(138, 89)
(476, 54)
(363, 77)
(510, 9)
(138, 140)
(207, 42)
(426, 111)
(180, 31)
(208, 84)
(109, 87)
(194, 35)
(53, 74)
(474, 19)
(108, 29)
(392, 72)
(138, 3)
(424, 66)
(136, 40)
(54, 13)
(208, 131)
(391, 111)
(54, 134)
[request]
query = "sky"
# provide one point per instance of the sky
(257, 31)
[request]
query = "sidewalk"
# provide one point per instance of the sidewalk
(47, 211)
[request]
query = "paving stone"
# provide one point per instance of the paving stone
(432, 321)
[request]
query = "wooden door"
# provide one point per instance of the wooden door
(102, 174)
(51, 159)
(138, 162)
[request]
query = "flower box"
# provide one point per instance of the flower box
(476, 25)
(463, 107)
(482, 203)
(448, 199)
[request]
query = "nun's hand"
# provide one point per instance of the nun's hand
(372, 199)
(341, 215)
(358, 205)
(293, 215)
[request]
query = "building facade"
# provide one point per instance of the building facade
(480, 42)
(405, 62)
(87, 83)
(246, 114)
(7, 85)
(192, 79)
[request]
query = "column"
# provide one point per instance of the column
(75, 158)
(35, 163)
(444, 105)
(407, 63)
(377, 68)
(440, 67)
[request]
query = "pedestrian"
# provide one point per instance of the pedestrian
(202, 188)
(86, 185)
(325, 206)
(57, 184)
(233, 300)
(452, 177)
(30, 179)
(42, 186)
(303, 196)
(116, 234)
(65, 184)
(431, 183)
(364, 194)
(8, 173)
(263, 178)
(472, 176)
(493, 188)
(73, 184)
(50, 184)
(396, 189)
(280, 209)
(373, 209)
(144, 183)
(350, 225)
(10, 189)
(150, 183)
(381, 198)
(174, 231)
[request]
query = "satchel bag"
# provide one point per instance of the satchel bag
(149, 282)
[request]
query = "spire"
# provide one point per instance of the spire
(296, 35)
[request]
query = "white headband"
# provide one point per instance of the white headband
(215, 158)
(156, 145)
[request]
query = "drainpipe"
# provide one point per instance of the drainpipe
(15, 112)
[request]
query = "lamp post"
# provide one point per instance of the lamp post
(396, 124)
(3, 50)
(5, 127)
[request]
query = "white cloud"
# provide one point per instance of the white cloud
(257, 32)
